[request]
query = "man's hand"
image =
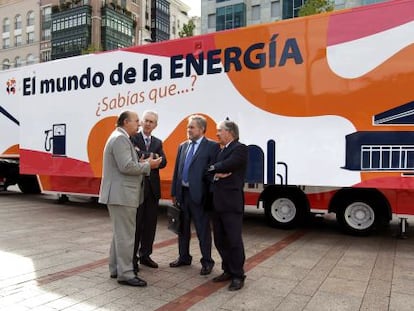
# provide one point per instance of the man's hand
(217, 176)
(154, 163)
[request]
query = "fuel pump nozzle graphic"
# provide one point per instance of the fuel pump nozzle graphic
(56, 140)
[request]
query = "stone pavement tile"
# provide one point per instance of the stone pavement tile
(271, 292)
(326, 301)
(402, 286)
(191, 283)
(401, 302)
(344, 286)
(16, 308)
(288, 271)
(83, 306)
(377, 295)
(216, 301)
(62, 303)
(259, 272)
(308, 286)
(39, 300)
(375, 303)
(352, 273)
(293, 302)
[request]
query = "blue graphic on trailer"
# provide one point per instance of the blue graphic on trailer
(380, 151)
(383, 151)
(56, 137)
(256, 166)
(400, 115)
(8, 115)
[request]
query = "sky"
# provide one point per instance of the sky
(195, 7)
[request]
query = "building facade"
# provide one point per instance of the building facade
(38, 31)
(219, 15)
(178, 17)
(20, 33)
(160, 20)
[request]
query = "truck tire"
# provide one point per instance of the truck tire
(284, 211)
(28, 184)
(358, 217)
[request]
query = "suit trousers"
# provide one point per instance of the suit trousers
(123, 220)
(227, 228)
(146, 224)
(201, 220)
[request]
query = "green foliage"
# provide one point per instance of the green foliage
(188, 30)
(91, 49)
(316, 6)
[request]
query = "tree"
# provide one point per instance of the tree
(311, 7)
(91, 49)
(188, 30)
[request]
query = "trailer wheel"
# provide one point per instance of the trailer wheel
(357, 217)
(284, 211)
(28, 184)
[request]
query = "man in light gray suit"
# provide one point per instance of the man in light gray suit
(123, 191)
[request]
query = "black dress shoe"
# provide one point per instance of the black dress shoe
(206, 270)
(147, 261)
(136, 281)
(236, 284)
(222, 277)
(114, 276)
(179, 263)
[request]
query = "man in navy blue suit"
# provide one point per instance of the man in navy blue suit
(190, 189)
(228, 199)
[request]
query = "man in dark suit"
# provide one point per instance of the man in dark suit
(122, 190)
(190, 190)
(145, 144)
(228, 200)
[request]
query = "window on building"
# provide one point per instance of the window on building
(6, 64)
(45, 56)
(17, 40)
(30, 59)
(255, 12)
(6, 25)
(6, 43)
(30, 37)
(232, 16)
(17, 61)
(291, 8)
(30, 18)
(18, 22)
(275, 9)
(47, 14)
(211, 21)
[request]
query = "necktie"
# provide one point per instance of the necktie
(187, 162)
(147, 143)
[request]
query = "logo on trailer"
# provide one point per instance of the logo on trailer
(11, 86)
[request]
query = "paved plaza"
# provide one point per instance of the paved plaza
(54, 257)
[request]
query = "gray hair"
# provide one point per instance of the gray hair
(231, 127)
(200, 120)
(151, 112)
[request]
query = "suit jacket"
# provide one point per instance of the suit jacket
(122, 175)
(156, 148)
(202, 159)
(228, 195)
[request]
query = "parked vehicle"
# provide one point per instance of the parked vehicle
(324, 102)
